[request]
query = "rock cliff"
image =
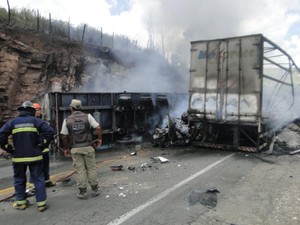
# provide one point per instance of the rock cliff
(32, 64)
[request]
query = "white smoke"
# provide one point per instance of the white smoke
(183, 21)
(143, 71)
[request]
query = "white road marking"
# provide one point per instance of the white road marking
(164, 194)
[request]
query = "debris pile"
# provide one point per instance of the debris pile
(176, 132)
(287, 140)
(207, 198)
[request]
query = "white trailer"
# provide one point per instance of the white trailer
(237, 86)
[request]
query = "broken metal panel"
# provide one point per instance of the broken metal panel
(143, 113)
(240, 82)
(225, 79)
(278, 84)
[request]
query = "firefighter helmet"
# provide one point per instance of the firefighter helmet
(26, 105)
(36, 106)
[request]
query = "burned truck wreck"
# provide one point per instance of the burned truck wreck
(125, 117)
(239, 90)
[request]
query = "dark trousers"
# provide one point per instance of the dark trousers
(36, 175)
(46, 167)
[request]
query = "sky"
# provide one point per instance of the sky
(172, 24)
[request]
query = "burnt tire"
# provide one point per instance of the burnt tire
(164, 142)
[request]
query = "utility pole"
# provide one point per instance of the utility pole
(69, 29)
(83, 33)
(101, 38)
(50, 24)
(38, 21)
(8, 11)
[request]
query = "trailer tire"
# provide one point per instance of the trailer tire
(164, 142)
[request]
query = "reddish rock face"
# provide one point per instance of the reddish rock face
(32, 65)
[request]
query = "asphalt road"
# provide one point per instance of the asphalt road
(253, 189)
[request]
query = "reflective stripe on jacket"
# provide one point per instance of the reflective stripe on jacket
(45, 150)
(27, 159)
(28, 135)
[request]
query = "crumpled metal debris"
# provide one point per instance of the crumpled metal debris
(131, 167)
(207, 198)
(133, 153)
(160, 159)
(122, 195)
(294, 152)
(176, 132)
(116, 167)
(145, 166)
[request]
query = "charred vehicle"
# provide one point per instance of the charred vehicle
(175, 132)
(238, 88)
(124, 117)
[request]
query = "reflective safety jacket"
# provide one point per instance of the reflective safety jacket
(30, 137)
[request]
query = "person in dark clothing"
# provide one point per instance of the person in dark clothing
(30, 135)
(46, 157)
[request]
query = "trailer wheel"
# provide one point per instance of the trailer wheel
(164, 142)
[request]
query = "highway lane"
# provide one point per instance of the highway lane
(151, 193)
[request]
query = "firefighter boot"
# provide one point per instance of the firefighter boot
(42, 208)
(82, 193)
(21, 206)
(95, 190)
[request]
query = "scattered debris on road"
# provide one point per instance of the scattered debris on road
(287, 140)
(131, 167)
(133, 153)
(160, 159)
(207, 198)
(294, 152)
(116, 167)
(122, 195)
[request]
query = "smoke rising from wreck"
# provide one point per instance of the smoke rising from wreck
(279, 102)
(284, 113)
(148, 72)
(138, 72)
(143, 71)
(202, 20)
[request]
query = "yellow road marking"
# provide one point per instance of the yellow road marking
(5, 191)
(11, 190)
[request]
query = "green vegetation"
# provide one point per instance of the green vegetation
(31, 20)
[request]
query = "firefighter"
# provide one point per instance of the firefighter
(78, 126)
(46, 158)
(30, 135)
